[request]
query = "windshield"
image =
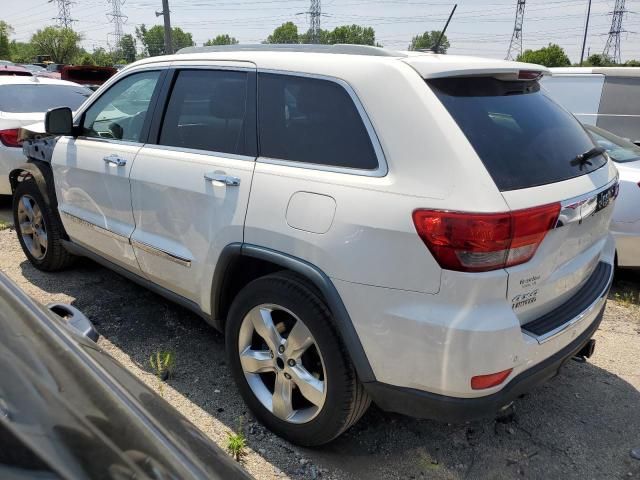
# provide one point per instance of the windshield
(35, 97)
(522, 136)
(619, 149)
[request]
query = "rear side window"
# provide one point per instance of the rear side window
(312, 121)
(522, 136)
(41, 97)
(207, 111)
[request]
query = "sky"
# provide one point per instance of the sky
(479, 28)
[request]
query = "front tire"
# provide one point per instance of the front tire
(290, 366)
(39, 229)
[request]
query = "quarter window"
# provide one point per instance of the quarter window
(313, 121)
(208, 111)
(121, 111)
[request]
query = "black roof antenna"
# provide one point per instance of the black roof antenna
(435, 48)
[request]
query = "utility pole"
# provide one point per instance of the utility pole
(64, 13)
(612, 48)
(168, 43)
(586, 29)
(515, 46)
(118, 19)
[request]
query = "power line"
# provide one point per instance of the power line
(612, 47)
(118, 19)
(64, 13)
(515, 46)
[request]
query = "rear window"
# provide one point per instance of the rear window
(40, 98)
(522, 136)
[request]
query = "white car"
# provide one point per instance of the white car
(625, 224)
(429, 232)
(23, 101)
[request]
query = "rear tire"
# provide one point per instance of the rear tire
(289, 305)
(39, 230)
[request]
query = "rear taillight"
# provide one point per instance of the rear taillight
(478, 242)
(9, 138)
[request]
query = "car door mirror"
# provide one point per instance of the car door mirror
(59, 121)
(75, 319)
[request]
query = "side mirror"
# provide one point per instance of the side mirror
(75, 319)
(59, 121)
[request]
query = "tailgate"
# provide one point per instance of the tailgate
(570, 253)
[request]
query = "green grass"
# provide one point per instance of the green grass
(237, 443)
(4, 225)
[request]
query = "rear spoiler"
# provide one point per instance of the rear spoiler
(439, 66)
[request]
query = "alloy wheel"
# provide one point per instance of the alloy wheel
(282, 363)
(32, 227)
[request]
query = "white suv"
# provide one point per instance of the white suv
(428, 232)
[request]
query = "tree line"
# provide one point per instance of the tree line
(553, 55)
(63, 45)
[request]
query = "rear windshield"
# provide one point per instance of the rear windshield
(523, 137)
(40, 98)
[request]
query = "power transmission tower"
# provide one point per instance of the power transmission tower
(612, 47)
(117, 18)
(315, 12)
(64, 13)
(515, 46)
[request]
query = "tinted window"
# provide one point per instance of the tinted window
(41, 97)
(312, 121)
(121, 111)
(207, 111)
(522, 136)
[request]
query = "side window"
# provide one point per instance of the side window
(120, 112)
(311, 120)
(208, 110)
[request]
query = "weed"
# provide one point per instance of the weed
(4, 225)
(236, 443)
(163, 364)
(628, 297)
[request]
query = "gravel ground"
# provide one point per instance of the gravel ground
(581, 424)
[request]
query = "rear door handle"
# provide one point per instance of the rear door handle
(115, 159)
(222, 178)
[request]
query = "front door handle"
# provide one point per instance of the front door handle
(221, 177)
(115, 159)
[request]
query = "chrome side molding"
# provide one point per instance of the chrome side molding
(185, 262)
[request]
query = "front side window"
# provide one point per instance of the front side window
(207, 110)
(313, 121)
(121, 111)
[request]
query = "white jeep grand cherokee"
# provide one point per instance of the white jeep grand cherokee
(429, 232)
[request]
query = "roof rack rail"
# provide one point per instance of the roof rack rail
(297, 47)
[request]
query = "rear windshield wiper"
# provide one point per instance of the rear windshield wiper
(583, 158)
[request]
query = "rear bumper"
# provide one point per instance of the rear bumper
(421, 404)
